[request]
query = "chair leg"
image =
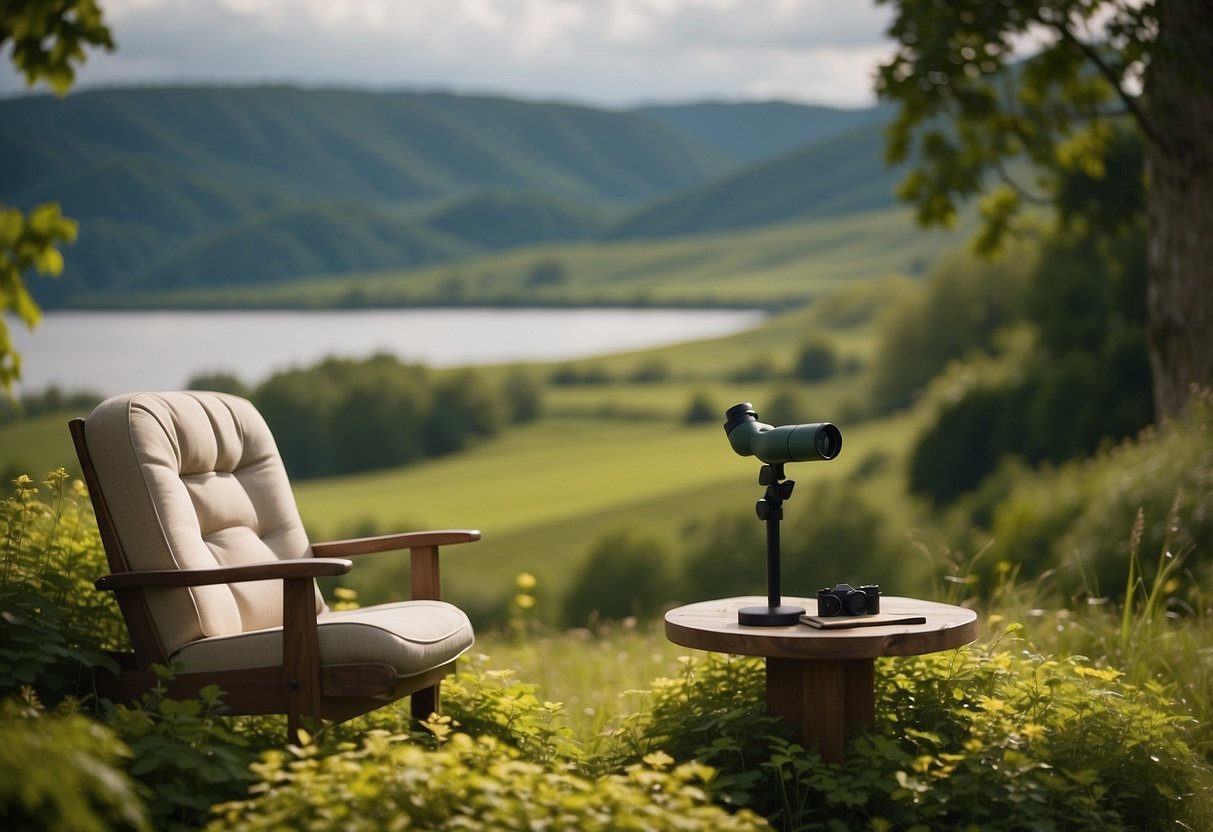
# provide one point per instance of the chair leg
(425, 702)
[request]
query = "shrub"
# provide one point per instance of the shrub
(64, 771)
(54, 625)
(1077, 520)
(701, 410)
(523, 395)
(470, 783)
(980, 738)
(816, 361)
(962, 306)
(626, 574)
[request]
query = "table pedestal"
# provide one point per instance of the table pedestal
(822, 699)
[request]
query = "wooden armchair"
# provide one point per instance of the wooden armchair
(214, 573)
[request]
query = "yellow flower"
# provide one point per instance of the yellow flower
(1108, 674)
(525, 581)
(1034, 731)
(524, 602)
(658, 760)
(993, 705)
(973, 745)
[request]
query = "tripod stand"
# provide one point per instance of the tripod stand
(770, 510)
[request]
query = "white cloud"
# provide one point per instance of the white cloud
(611, 52)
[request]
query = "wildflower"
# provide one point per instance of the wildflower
(992, 705)
(1033, 731)
(1107, 674)
(525, 581)
(658, 760)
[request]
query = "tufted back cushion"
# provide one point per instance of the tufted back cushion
(195, 480)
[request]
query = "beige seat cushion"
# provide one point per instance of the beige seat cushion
(412, 636)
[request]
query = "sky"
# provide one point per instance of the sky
(611, 53)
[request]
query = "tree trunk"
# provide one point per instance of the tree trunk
(1179, 171)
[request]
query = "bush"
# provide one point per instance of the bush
(470, 783)
(994, 738)
(701, 410)
(64, 771)
(626, 574)
(963, 305)
(815, 362)
(1077, 521)
(54, 625)
(343, 416)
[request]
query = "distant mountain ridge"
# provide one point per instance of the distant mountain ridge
(182, 187)
(754, 131)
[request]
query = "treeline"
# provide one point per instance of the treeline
(343, 415)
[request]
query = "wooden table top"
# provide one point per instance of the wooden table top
(712, 625)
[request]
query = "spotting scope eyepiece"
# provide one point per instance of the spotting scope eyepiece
(777, 445)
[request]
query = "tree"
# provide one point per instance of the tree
(969, 109)
(48, 37)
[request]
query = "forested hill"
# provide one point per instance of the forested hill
(212, 185)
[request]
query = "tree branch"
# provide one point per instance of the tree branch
(1112, 77)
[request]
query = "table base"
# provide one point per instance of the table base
(812, 695)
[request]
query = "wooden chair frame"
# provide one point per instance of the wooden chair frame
(301, 687)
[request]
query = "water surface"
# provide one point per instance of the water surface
(114, 352)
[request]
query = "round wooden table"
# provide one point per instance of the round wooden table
(821, 681)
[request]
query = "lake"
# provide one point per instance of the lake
(114, 352)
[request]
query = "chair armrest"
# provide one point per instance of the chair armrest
(424, 573)
(393, 542)
(263, 571)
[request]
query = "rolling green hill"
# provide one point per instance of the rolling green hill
(503, 220)
(759, 130)
(204, 172)
(186, 187)
(323, 238)
(840, 175)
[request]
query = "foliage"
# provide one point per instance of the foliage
(345, 415)
(50, 400)
(470, 783)
(64, 770)
(26, 243)
(626, 574)
(963, 305)
(816, 361)
(963, 114)
(1077, 521)
(701, 409)
(54, 626)
(961, 737)
(1086, 380)
(48, 37)
(970, 111)
(184, 753)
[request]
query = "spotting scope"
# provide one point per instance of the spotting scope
(777, 445)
